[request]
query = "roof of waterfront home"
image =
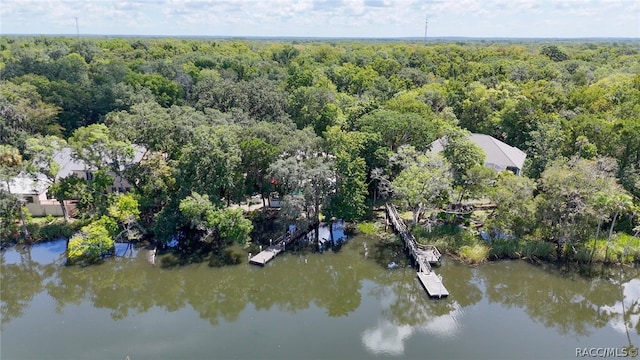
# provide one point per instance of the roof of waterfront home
(68, 163)
(499, 155)
(25, 184)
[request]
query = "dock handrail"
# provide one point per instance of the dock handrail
(432, 248)
(408, 238)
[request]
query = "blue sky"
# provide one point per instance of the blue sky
(325, 18)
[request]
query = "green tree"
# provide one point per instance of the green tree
(514, 214)
(553, 52)
(97, 147)
(517, 119)
(628, 152)
(586, 150)
(571, 198)
(399, 129)
(154, 180)
(257, 155)
(208, 164)
(23, 112)
(10, 163)
(70, 187)
(9, 215)
(476, 182)
(92, 242)
(218, 225)
(91, 196)
(157, 128)
(125, 210)
(423, 185)
(618, 204)
(71, 68)
(348, 200)
(544, 147)
(167, 92)
(10, 206)
(313, 106)
(463, 155)
(311, 179)
(261, 98)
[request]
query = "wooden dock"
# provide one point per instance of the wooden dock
(433, 284)
(277, 246)
(423, 255)
(266, 255)
(431, 253)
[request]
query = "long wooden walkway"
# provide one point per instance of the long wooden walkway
(423, 255)
(277, 246)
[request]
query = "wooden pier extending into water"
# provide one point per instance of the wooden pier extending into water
(423, 255)
(277, 246)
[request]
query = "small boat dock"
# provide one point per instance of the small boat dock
(277, 246)
(267, 254)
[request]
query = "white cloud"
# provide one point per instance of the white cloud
(373, 18)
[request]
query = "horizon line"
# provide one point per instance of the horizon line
(294, 37)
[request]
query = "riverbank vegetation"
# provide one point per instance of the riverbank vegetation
(331, 127)
(52, 228)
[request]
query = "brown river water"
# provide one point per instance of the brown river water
(344, 304)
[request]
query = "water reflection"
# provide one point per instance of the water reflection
(407, 311)
(625, 313)
(564, 301)
(43, 253)
(388, 337)
(341, 285)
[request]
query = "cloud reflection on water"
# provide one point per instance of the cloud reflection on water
(389, 338)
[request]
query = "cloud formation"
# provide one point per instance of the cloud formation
(326, 18)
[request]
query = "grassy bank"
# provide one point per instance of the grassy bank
(454, 241)
(47, 228)
(368, 228)
(622, 248)
(470, 248)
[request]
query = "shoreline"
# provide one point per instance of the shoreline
(453, 245)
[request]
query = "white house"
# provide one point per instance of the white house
(500, 156)
(69, 165)
(33, 190)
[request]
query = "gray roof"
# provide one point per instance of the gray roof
(25, 184)
(68, 164)
(499, 155)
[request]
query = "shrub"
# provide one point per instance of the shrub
(505, 249)
(368, 228)
(474, 254)
(537, 249)
(91, 243)
(624, 248)
(447, 238)
(584, 252)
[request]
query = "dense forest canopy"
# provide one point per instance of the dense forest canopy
(331, 126)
